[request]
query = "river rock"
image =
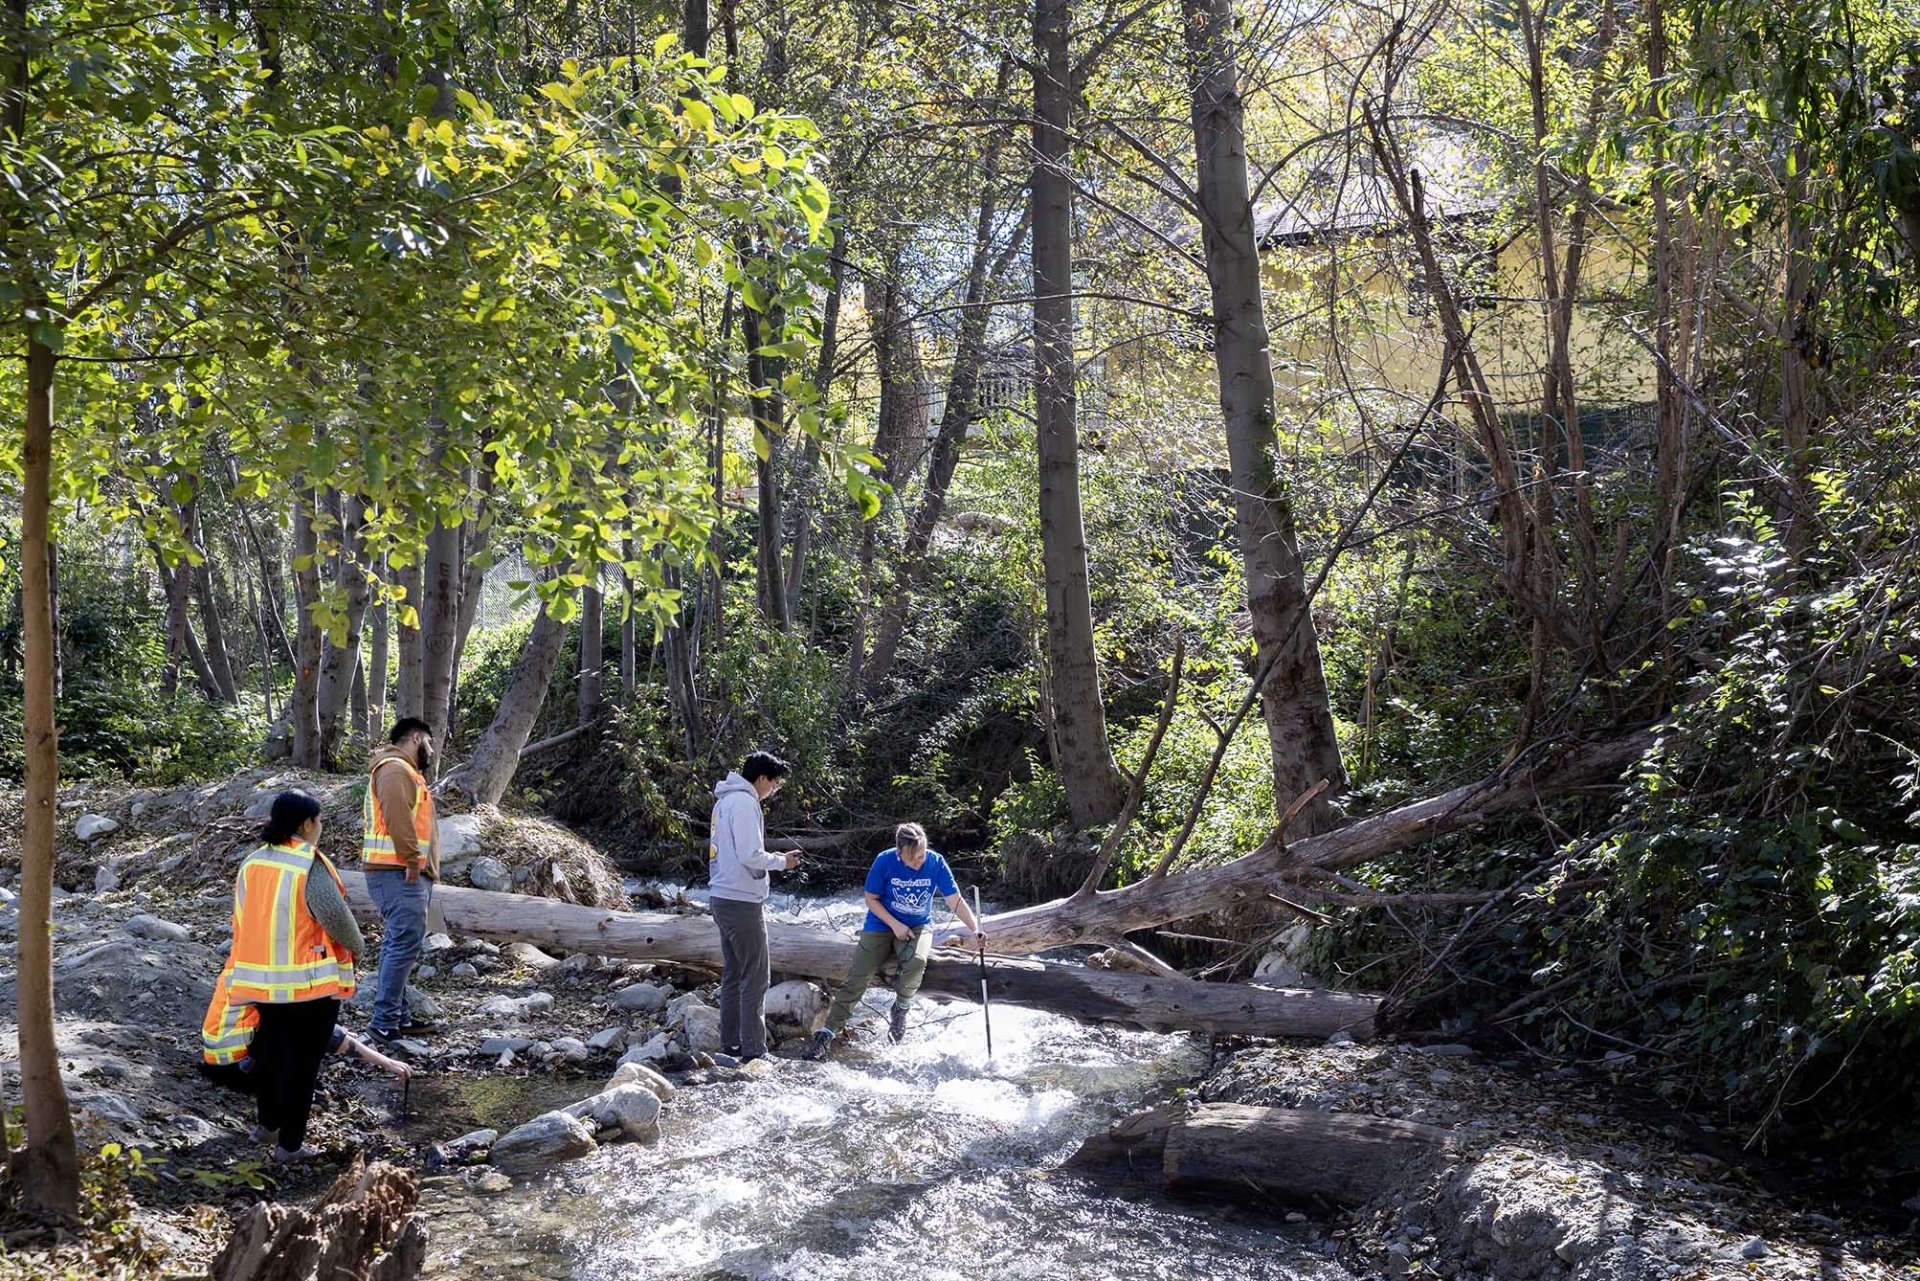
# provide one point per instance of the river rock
(91, 827)
(644, 998)
(571, 1049)
(606, 1038)
(530, 956)
(465, 970)
(636, 1073)
(488, 873)
(1755, 1249)
(423, 1005)
(106, 877)
(459, 836)
(471, 1144)
(654, 1051)
(703, 1029)
(152, 927)
(547, 1140)
(494, 1046)
(438, 942)
(424, 971)
(677, 1008)
(633, 1108)
(796, 1002)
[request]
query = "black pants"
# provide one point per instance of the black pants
(286, 1052)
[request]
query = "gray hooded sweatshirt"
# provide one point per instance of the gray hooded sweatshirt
(737, 859)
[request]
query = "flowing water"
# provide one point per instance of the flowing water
(923, 1156)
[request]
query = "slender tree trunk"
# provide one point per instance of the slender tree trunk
(1796, 507)
(51, 1181)
(440, 582)
(218, 661)
(1094, 786)
(629, 638)
(592, 653)
(693, 27)
(807, 510)
(273, 602)
(1300, 731)
(769, 416)
(474, 561)
(486, 773)
(1669, 463)
(173, 578)
(376, 667)
(53, 611)
(338, 664)
(408, 696)
(304, 708)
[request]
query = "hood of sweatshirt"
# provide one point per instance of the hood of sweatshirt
(735, 784)
(391, 752)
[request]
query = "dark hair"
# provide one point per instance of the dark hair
(409, 725)
(290, 811)
(764, 765)
(910, 834)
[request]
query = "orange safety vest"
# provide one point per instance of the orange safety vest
(280, 953)
(228, 1028)
(376, 845)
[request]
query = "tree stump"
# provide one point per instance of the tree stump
(365, 1228)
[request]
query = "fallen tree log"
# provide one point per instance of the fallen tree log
(1177, 1004)
(1295, 1157)
(1112, 914)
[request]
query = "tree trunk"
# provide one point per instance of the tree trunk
(1113, 914)
(1797, 504)
(693, 27)
(1669, 457)
(1294, 1157)
(273, 603)
(50, 1164)
(219, 661)
(1299, 719)
(408, 698)
(473, 580)
(173, 580)
(629, 637)
(1094, 786)
(377, 668)
(366, 1226)
(439, 623)
(487, 772)
(338, 664)
(1077, 990)
(304, 708)
(769, 418)
(592, 652)
(823, 369)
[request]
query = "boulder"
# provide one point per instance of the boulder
(703, 1029)
(490, 874)
(460, 839)
(91, 827)
(678, 1007)
(654, 1051)
(644, 998)
(547, 1140)
(636, 1073)
(530, 956)
(152, 927)
(796, 1003)
(633, 1108)
(465, 970)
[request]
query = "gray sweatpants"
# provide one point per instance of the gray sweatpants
(744, 973)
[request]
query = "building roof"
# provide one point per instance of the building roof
(1342, 195)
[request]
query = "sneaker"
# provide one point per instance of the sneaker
(897, 1024)
(419, 1027)
(306, 1152)
(818, 1047)
(261, 1134)
(387, 1042)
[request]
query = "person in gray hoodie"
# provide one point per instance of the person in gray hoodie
(737, 885)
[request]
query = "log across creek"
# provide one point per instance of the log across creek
(1171, 1004)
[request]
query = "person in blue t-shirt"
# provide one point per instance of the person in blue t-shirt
(900, 891)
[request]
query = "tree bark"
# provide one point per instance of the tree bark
(1669, 450)
(1299, 718)
(338, 663)
(1113, 914)
(1108, 996)
(366, 1226)
(377, 667)
(769, 417)
(487, 772)
(1094, 786)
(304, 707)
(49, 1161)
(439, 623)
(809, 477)
(474, 536)
(408, 696)
(1281, 1154)
(592, 652)
(629, 636)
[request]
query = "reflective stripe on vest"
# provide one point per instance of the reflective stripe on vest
(227, 1030)
(376, 841)
(280, 952)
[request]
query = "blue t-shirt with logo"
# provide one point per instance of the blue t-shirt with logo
(905, 891)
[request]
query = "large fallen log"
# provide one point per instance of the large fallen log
(1176, 1004)
(1112, 914)
(1295, 1157)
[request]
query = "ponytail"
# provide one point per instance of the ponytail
(290, 812)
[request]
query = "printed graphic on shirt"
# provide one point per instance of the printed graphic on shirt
(910, 897)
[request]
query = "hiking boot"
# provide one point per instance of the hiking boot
(817, 1048)
(897, 1024)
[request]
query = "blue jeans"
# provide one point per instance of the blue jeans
(403, 919)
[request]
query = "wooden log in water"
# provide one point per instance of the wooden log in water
(1280, 1154)
(1175, 1004)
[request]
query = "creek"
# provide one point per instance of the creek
(924, 1156)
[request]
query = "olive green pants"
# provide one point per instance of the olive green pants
(876, 948)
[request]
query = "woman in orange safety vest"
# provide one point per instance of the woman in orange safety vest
(292, 964)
